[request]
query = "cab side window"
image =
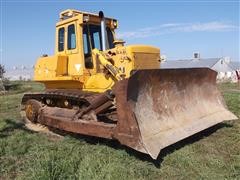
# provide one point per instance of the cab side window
(71, 37)
(61, 39)
(87, 49)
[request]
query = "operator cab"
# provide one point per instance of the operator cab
(84, 32)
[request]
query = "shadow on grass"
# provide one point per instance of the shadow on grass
(190, 140)
(12, 125)
(164, 152)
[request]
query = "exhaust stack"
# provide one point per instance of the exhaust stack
(103, 31)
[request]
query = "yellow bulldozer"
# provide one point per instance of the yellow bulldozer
(97, 86)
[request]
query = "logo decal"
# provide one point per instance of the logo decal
(77, 66)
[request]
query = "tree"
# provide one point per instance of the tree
(2, 71)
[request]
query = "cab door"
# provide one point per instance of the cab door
(75, 66)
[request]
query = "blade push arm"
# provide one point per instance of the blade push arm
(108, 65)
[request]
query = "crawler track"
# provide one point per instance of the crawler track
(36, 127)
(59, 106)
(75, 97)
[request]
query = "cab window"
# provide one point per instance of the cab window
(87, 49)
(110, 38)
(71, 37)
(85, 44)
(61, 39)
(96, 40)
(92, 39)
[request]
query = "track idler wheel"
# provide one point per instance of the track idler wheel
(31, 109)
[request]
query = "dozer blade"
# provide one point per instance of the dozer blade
(169, 105)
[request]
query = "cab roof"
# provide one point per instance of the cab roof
(68, 13)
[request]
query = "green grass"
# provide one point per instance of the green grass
(213, 154)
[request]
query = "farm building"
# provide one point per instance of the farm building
(227, 70)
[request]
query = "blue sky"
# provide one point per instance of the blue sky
(179, 28)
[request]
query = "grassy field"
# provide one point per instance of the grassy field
(212, 154)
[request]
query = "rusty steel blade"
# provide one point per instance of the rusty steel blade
(172, 104)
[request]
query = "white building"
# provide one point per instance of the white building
(227, 70)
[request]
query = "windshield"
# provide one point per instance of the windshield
(92, 39)
(96, 38)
